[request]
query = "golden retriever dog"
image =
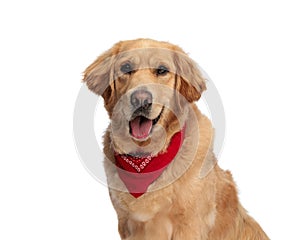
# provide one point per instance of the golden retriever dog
(163, 177)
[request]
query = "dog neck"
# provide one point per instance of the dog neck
(138, 171)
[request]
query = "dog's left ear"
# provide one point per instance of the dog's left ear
(191, 83)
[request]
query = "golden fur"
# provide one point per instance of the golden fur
(193, 198)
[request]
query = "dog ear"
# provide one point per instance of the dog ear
(192, 83)
(99, 76)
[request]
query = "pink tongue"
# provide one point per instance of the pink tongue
(140, 127)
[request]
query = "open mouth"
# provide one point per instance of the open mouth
(141, 127)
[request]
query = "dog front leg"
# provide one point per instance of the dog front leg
(123, 228)
(158, 228)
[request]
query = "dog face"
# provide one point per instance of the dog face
(146, 86)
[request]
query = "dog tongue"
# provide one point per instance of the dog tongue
(140, 127)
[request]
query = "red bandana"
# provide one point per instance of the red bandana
(138, 172)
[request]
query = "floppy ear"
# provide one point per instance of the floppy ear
(99, 76)
(191, 83)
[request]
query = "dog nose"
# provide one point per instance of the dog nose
(141, 98)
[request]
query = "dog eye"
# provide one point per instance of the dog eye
(126, 68)
(161, 70)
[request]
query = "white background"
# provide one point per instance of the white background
(250, 49)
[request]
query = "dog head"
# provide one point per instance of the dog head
(146, 86)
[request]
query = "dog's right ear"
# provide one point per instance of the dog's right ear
(99, 76)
